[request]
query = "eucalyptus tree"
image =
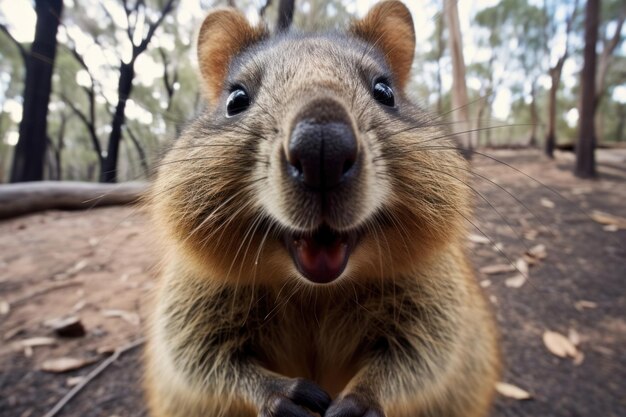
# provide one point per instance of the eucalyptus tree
(611, 26)
(556, 69)
(30, 151)
(460, 111)
(585, 147)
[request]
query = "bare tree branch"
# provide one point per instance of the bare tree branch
(286, 9)
(89, 123)
(169, 81)
(20, 47)
(142, 154)
(152, 27)
(608, 47)
(263, 9)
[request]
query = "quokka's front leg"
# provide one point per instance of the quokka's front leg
(409, 380)
(387, 387)
(201, 362)
(234, 388)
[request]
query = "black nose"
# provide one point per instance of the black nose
(321, 152)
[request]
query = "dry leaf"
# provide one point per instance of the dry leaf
(558, 344)
(37, 341)
(531, 234)
(5, 308)
(497, 269)
(515, 281)
(512, 391)
(579, 358)
(610, 228)
(28, 351)
(608, 219)
(493, 299)
(70, 272)
(482, 240)
(573, 337)
(132, 318)
(538, 251)
(522, 267)
(580, 305)
(65, 364)
(485, 283)
(79, 306)
(74, 380)
(546, 203)
(530, 260)
(106, 350)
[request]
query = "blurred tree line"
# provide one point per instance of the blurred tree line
(123, 79)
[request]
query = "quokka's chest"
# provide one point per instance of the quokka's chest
(325, 345)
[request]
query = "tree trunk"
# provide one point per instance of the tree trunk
(30, 151)
(551, 135)
(286, 9)
(619, 131)
(460, 114)
(585, 148)
(534, 116)
(125, 87)
(555, 75)
(440, 50)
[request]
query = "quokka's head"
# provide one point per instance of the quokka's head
(310, 162)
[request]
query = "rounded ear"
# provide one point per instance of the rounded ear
(224, 33)
(389, 26)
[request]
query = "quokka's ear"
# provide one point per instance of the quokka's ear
(224, 33)
(389, 26)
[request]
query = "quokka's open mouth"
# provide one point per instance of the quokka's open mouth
(322, 255)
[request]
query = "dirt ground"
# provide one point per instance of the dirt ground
(100, 266)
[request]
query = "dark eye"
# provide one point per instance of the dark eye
(238, 101)
(383, 93)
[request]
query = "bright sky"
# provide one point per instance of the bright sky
(20, 16)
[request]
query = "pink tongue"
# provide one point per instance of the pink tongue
(321, 263)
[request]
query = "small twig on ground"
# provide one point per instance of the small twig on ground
(92, 375)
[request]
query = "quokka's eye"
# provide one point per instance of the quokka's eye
(238, 101)
(383, 93)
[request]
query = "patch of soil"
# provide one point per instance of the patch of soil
(100, 265)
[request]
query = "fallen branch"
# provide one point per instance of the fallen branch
(92, 375)
(29, 197)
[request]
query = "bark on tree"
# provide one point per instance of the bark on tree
(555, 77)
(619, 131)
(124, 89)
(460, 112)
(585, 148)
(440, 27)
(30, 152)
(286, 9)
(534, 115)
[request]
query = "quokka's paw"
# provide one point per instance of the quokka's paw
(354, 405)
(294, 398)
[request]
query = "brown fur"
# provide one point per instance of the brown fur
(405, 328)
(222, 35)
(390, 27)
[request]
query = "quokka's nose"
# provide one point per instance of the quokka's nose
(322, 147)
